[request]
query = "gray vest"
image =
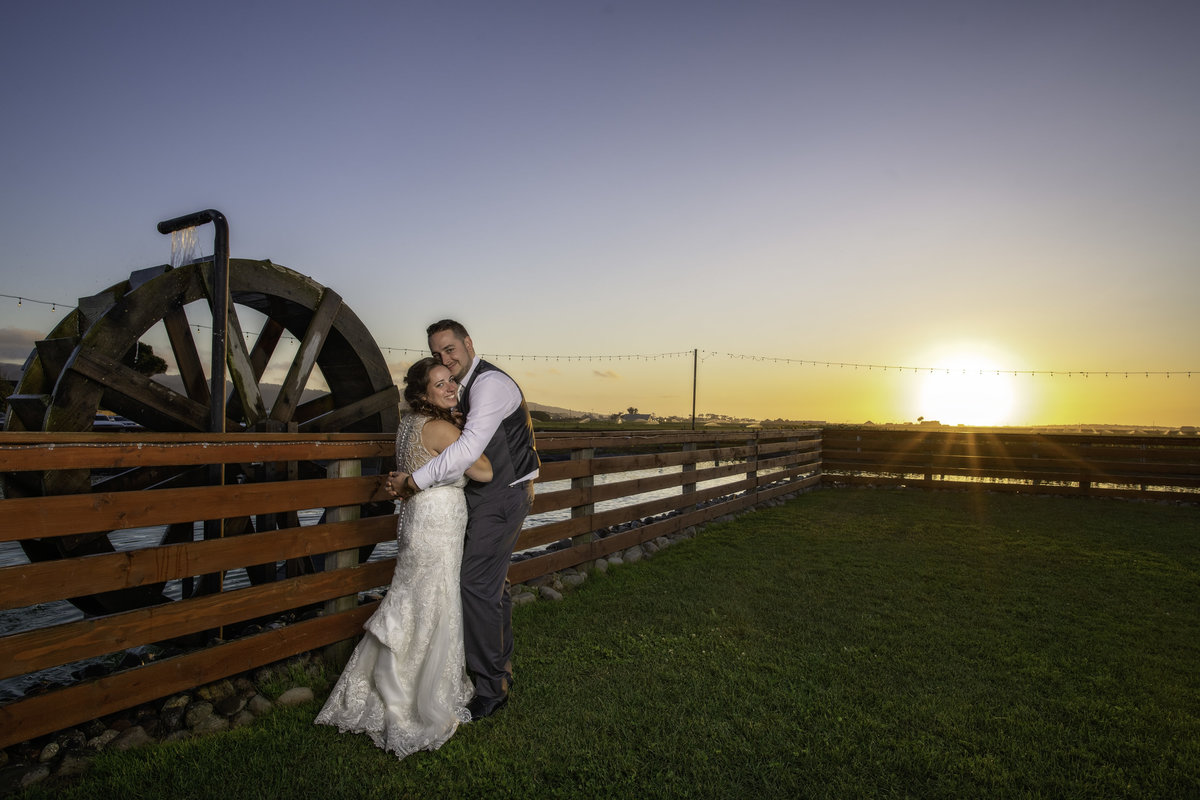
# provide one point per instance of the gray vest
(511, 450)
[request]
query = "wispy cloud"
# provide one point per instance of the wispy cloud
(606, 374)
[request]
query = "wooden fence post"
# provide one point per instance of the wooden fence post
(794, 441)
(583, 482)
(1035, 455)
(752, 463)
(339, 652)
(820, 456)
(1085, 485)
(689, 488)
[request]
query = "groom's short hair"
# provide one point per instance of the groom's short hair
(447, 325)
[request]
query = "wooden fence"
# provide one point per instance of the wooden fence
(1138, 467)
(695, 477)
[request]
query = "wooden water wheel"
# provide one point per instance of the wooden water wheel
(82, 367)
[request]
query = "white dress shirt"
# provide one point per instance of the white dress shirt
(494, 396)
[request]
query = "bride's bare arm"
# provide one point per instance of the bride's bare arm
(437, 435)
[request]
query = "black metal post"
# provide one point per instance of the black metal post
(213, 528)
(220, 304)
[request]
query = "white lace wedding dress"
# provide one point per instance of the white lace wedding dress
(406, 685)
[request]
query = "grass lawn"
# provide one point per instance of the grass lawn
(851, 643)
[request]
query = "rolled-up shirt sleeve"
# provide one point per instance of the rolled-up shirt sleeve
(493, 397)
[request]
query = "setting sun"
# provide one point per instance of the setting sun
(968, 397)
(968, 387)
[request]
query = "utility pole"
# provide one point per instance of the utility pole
(695, 358)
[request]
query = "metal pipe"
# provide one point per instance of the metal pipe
(220, 303)
(213, 528)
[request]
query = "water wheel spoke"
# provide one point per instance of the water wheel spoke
(342, 418)
(302, 365)
(256, 573)
(264, 346)
(241, 372)
(260, 355)
(187, 356)
(179, 533)
(139, 478)
(138, 397)
(85, 544)
(314, 408)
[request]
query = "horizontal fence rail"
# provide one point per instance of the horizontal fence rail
(597, 494)
(1139, 467)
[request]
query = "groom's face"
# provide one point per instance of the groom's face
(455, 354)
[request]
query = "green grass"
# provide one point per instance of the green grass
(848, 644)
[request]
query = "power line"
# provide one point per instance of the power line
(707, 354)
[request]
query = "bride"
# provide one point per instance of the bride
(406, 685)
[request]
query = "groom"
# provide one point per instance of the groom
(498, 426)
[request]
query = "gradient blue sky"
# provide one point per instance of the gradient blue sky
(954, 184)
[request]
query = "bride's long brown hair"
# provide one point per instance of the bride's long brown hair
(416, 383)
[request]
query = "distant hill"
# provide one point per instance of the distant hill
(560, 412)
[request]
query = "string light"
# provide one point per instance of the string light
(704, 355)
(947, 370)
(22, 300)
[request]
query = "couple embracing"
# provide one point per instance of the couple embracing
(466, 460)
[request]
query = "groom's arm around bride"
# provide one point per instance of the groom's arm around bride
(498, 425)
